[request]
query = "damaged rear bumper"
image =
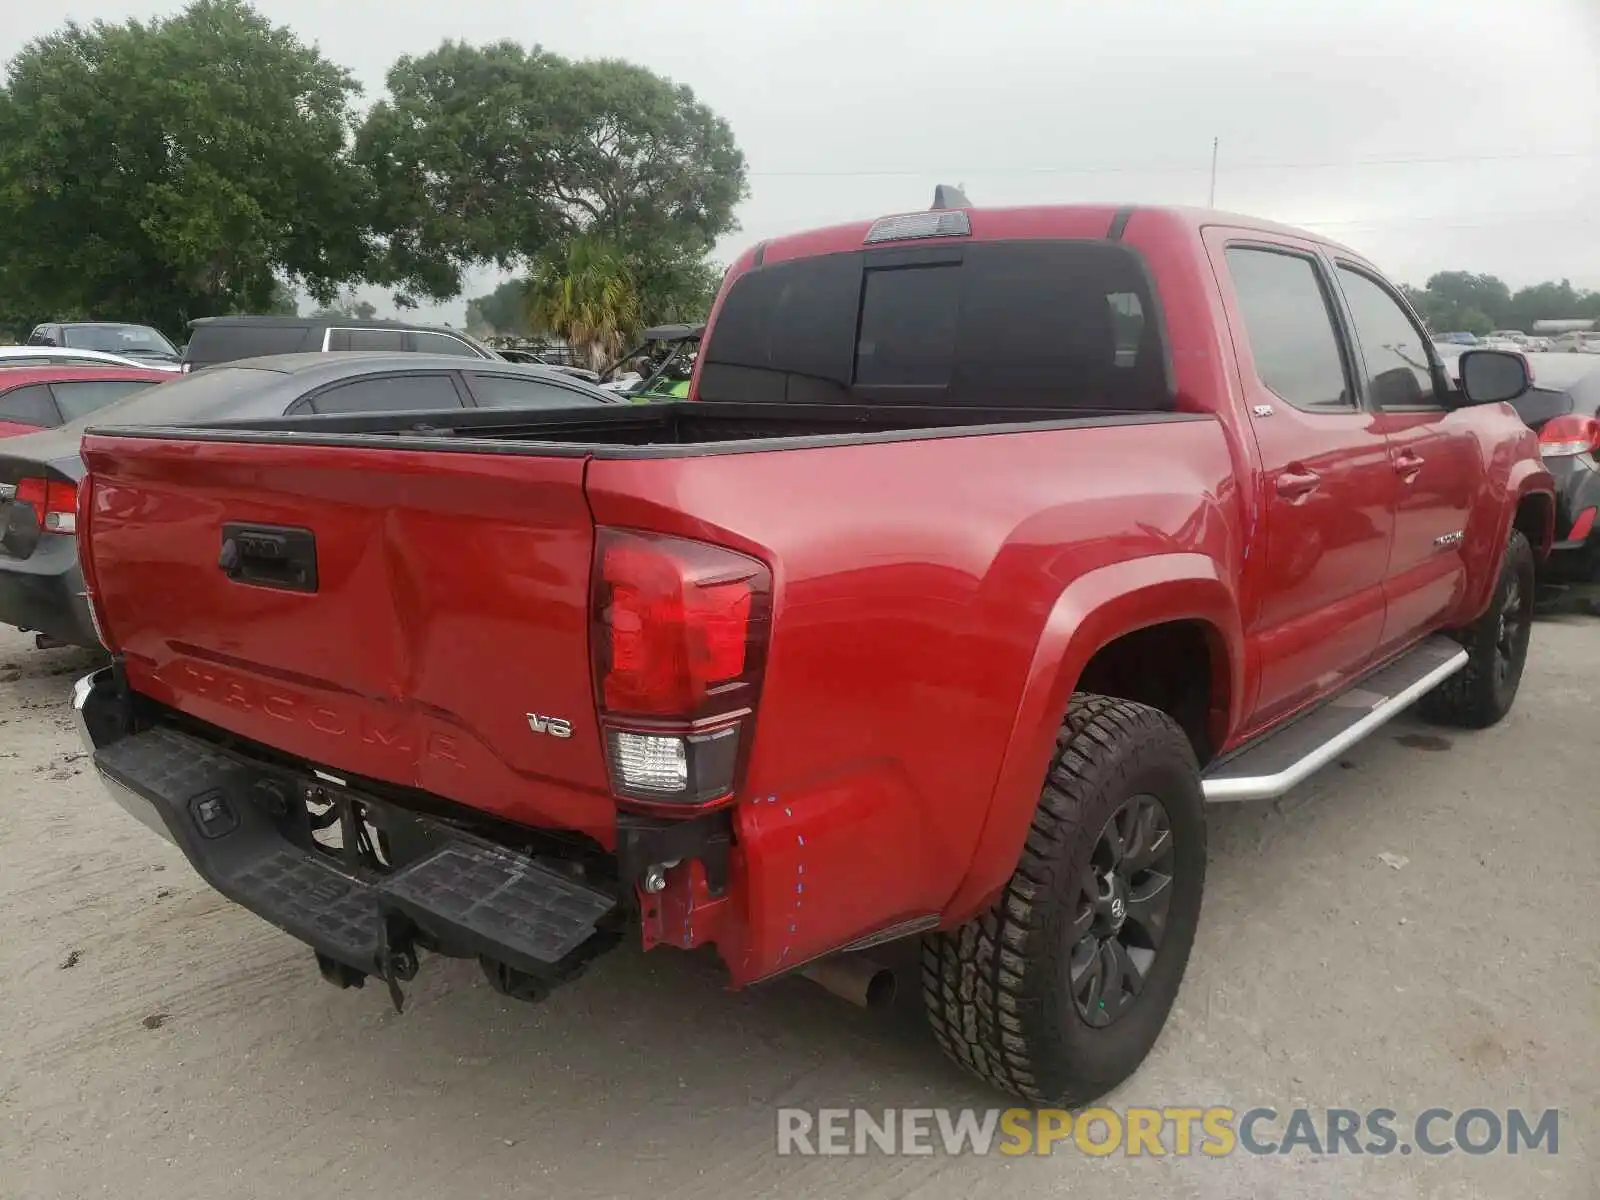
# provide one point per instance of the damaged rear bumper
(244, 827)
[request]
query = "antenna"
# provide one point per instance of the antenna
(946, 196)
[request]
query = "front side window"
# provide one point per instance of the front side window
(399, 393)
(1289, 325)
(504, 391)
(1396, 351)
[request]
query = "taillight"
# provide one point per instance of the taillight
(679, 643)
(85, 565)
(1563, 437)
(54, 504)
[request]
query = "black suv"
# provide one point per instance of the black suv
(215, 340)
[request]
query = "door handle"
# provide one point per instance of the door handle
(1295, 484)
(1407, 463)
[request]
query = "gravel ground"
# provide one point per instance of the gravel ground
(156, 1042)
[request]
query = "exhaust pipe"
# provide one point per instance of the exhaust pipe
(864, 983)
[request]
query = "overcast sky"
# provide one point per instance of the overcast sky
(855, 109)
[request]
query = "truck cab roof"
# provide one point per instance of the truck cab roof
(1034, 221)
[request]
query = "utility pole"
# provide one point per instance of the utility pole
(1211, 199)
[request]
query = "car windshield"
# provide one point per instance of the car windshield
(137, 340)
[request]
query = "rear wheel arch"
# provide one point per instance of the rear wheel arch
(1177, 667)
(1535, 518)
(1102, 622)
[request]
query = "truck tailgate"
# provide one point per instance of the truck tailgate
(379, 612)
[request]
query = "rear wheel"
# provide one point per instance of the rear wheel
(1482, 692)
(1058, 992)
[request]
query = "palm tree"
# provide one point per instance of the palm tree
(586, 297)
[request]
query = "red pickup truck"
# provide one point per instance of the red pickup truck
(991, 546)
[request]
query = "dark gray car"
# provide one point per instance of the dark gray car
(41, 589)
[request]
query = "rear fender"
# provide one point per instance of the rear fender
(1093, 611)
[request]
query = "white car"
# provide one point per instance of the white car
(60, 356)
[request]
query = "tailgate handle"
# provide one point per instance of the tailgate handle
(274, 556)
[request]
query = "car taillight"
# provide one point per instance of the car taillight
(679, 644)
(85, 566)
(1563, 437)
(1581, 527)
(54, 504)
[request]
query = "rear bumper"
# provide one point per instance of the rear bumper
(44, 594)
(239, 824)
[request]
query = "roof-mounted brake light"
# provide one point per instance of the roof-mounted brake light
(910, 226)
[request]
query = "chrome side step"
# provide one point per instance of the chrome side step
(1271, 766)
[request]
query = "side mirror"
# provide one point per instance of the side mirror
(1493, 376)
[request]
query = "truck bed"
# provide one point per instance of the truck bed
(656, 430)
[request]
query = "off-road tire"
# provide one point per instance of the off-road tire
(1476, 697)
(997, 989)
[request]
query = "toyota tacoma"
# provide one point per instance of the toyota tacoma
(989, 548)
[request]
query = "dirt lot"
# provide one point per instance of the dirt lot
(157, 1043)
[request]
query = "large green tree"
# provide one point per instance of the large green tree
(1473, 303)
(182, 167)
(510, 156)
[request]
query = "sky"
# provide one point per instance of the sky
(1427, 135)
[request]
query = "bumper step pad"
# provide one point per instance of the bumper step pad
(468, 895)
(511, 907)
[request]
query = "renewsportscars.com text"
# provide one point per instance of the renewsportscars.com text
(1212, 1132)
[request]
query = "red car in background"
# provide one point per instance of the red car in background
(34, 398)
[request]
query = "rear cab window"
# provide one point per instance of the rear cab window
(1047, 324)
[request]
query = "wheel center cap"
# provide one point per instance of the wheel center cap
(1113, 904)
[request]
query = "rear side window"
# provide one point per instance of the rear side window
(1290, 328)
(79, 399)
(441, 343)
(397, 393)
(227, 343)
(1065, 324)
(29, 405)
(504, 391)
(366, 339)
